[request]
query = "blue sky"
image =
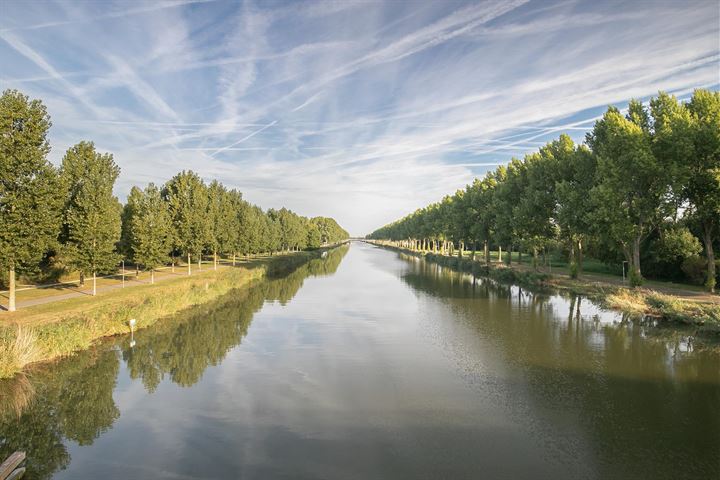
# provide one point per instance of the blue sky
(359, 110)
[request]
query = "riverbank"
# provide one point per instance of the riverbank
(49, 331)
(638, 302)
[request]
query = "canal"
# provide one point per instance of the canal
(369, 364)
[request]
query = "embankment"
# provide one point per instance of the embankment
(638, 302)
(58, 329)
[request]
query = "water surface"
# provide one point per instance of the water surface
(368, 364)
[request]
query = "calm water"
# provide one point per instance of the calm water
(366, 365)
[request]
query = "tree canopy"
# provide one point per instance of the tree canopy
(70, 218)
(643, 180)
(30, 190)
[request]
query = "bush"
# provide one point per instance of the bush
(635, 278)
(695, 269)
(574, 270)
(678, 243)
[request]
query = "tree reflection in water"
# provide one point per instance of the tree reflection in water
(627, 383)
(71, 400)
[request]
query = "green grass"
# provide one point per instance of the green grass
(57, 329)
(557, 264)
(70, 281)
(611, 294)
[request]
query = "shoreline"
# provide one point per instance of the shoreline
(640, 303)
(50, 331)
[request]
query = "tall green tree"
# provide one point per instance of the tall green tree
(481, 209)
(575, 180)
(703, 187)
(689, 135)
(91, 227)
(237, 208)
(187, 198)
(507, 193)
(314, 237)
(535, 207)
(631, 192)
(30, 193)
(150, 230)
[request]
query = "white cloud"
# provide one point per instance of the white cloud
(359, 110)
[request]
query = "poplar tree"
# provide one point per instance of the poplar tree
(314, 238)
(91, 227)
(689, 135)
(703, 188)
(30, 192)
(222, 220)
(237, 209)
(632, 184)
(187, 199)
(481, 209)
(150, 228)
(576, 175)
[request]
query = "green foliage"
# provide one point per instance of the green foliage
(653, 167)
(30, 190)
(150, 227)
(187, 198)
(69, 220)
(223, 226)
(678, 243)
(635, 279)
(91, 227)
(694, 268)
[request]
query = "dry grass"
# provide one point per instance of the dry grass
(17, 349)
(630, 301)
(689, 310)
(59, 329)
(16, 394)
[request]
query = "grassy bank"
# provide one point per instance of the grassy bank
(638, 302)
(53, 330)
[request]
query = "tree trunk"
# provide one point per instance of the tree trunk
(94, 284)
(636, 276)
(189, 263)
(499, 254)
(710, 254)
(535, 262)
(214, 260)
(200, 263)
(486, 251)
(573, 260)
(509, 258)
(571, 313)
(152, 276)
(577, 308)
(11, 301)
(82, 279)
(234, 259)
(172, 263)
(579, 257)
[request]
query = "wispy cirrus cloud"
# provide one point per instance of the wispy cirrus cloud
(363, 110)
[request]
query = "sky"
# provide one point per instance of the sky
(359, 110)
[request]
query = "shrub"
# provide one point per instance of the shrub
(695, 268)
(574, 270)
(635, 279)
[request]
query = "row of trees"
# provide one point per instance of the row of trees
(645, 187)
(69, 217)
